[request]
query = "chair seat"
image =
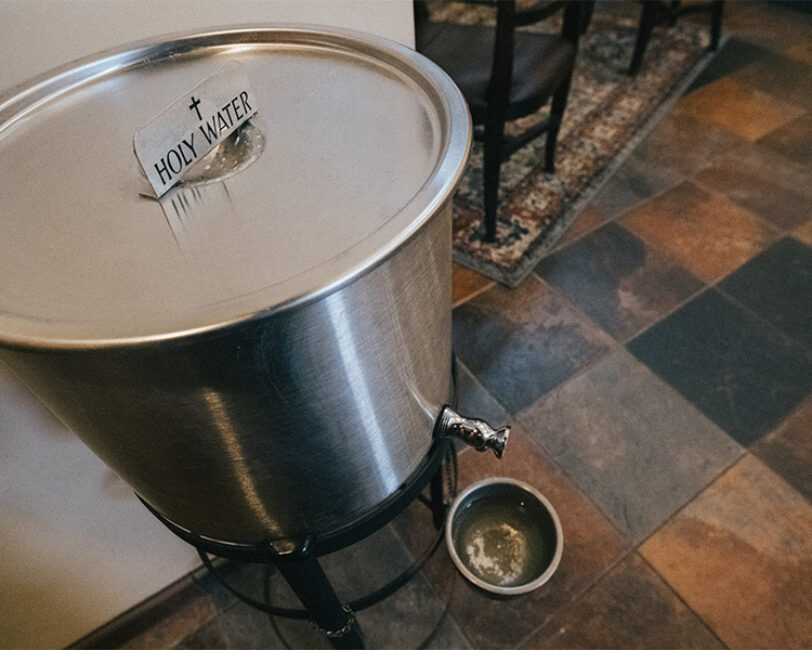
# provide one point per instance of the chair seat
(540, 64)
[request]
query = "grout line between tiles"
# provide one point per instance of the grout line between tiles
(755, 215)
(629, 546)
(577, 595)
(786, 338)
(667, 314)
(579, 312)
(712, 285)
(473, 294)
(679, 597)
(445, 602)
(744, 453)
(614, 346)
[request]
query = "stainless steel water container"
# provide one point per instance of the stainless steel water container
(263, 352)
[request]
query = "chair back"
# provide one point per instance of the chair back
(508, 18)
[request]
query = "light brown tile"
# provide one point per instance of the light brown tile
(591, 547)
(586, 222)
(739, 556)
(681, 144)
(742, 110)
(630, 608)
(465, 284)
(800, 52)
(804, 233)
(708, 234)
(781, 77)
(782, 197)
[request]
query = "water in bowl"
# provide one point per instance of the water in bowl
(502, 541)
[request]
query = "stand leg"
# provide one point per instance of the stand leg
(311, 586)
(437, 500)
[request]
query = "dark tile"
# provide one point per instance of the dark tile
(739, 557)
(239, 626)
(636, 180)
(523, 342)
(739, 108)
(465, 284)
(447, 636)
(629, 608)
(777, 285)
(788, 449)
(793, 140)
(245, 578)
(630, 442)
(402, 620)
(617, 280)
(162, 621)
(739, 371)
(733, 55)
(591, 546)
(706, 233)
(473, 400)
(684, 144)
(767, 183)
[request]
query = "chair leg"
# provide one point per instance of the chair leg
(648, 18)
(673, 12)
(717, 6)
(587, 9)
(492, 165)
(556, 115)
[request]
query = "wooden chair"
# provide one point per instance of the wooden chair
(660, 12)
(505, 74)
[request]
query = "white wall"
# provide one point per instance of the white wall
(37, 35)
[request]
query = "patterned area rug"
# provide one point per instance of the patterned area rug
(607, 115)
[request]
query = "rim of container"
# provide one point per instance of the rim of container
(476, 580)
(456, 133)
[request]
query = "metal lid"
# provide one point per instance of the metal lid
(358, 141)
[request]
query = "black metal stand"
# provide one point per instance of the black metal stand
(299, 564)
(311, 586)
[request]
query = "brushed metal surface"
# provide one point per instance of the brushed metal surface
(280, 374)
(295, 423)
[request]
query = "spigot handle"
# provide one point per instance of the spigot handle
(477, 433)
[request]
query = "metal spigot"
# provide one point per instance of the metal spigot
(477, 433)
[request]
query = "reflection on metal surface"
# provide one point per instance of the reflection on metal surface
(237, 152)
(354, 372)
(230, 438)
(476, 433)
(200, 218)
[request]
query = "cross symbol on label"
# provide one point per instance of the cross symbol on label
(175, 139)
(194, 106)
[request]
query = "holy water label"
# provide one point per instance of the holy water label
(178, 137)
